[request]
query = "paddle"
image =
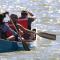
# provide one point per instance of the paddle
(25, 45)
(45, 35)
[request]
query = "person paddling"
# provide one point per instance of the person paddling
(25, 33)
(4, 28)
(22, 32)
(26, 21)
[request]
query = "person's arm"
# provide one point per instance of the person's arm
(31, 15)
(24, 29)
(11, 38)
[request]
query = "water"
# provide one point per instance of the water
(47, 13)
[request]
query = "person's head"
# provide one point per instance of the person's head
(24, 13)
(4, 14)
(14, 17)
(1, 17)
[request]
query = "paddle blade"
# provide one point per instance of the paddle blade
(47, 35)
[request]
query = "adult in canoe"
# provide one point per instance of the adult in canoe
(26, 19)
(25, 33)
(4, 28)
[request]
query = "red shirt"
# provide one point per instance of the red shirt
(23, 22)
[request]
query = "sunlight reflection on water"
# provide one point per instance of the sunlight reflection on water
(48, 19)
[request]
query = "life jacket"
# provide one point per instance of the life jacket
(9, 33)
(23, 22)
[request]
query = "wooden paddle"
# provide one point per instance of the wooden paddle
(47, 35)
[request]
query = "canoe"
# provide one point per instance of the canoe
(9, 46)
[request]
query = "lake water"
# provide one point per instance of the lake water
(47, 13)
